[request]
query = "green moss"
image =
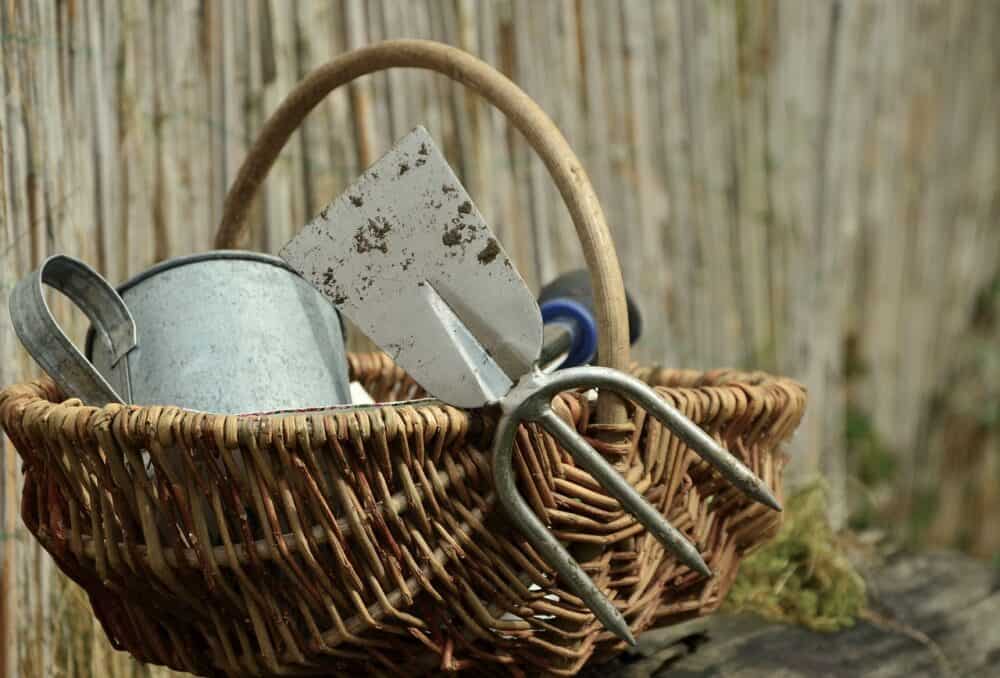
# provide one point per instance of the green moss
(873, 461)
(803, 576)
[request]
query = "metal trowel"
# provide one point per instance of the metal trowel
(405, 254)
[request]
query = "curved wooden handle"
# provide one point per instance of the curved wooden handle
(520, 109)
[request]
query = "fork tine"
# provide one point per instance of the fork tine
(529, 400)
(703, 445)
(695, 438)
(551, 551)
(633, 502)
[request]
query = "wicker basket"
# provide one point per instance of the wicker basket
(367, 539)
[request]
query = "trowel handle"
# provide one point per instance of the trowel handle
(522, 112)
(567, 305)
(48, 344)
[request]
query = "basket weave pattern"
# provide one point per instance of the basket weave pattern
(367, 539)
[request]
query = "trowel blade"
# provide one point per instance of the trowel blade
(406, 255)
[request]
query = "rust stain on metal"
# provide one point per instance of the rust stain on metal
(372, 236)
(488, 253)
(453, 236)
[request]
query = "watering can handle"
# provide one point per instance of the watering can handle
(48, 344)
(522, 111)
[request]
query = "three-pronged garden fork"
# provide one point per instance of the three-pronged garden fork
(407, 256)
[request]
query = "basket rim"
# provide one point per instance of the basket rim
(44, 389)
(40, 399)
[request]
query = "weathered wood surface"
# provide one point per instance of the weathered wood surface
(783, 178)
(933, 615)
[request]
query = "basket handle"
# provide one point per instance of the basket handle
(522, 111)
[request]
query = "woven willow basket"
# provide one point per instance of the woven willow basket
(367, 539)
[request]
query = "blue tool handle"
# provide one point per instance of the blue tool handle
(567, 307)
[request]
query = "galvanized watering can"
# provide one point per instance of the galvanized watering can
(228, 332)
